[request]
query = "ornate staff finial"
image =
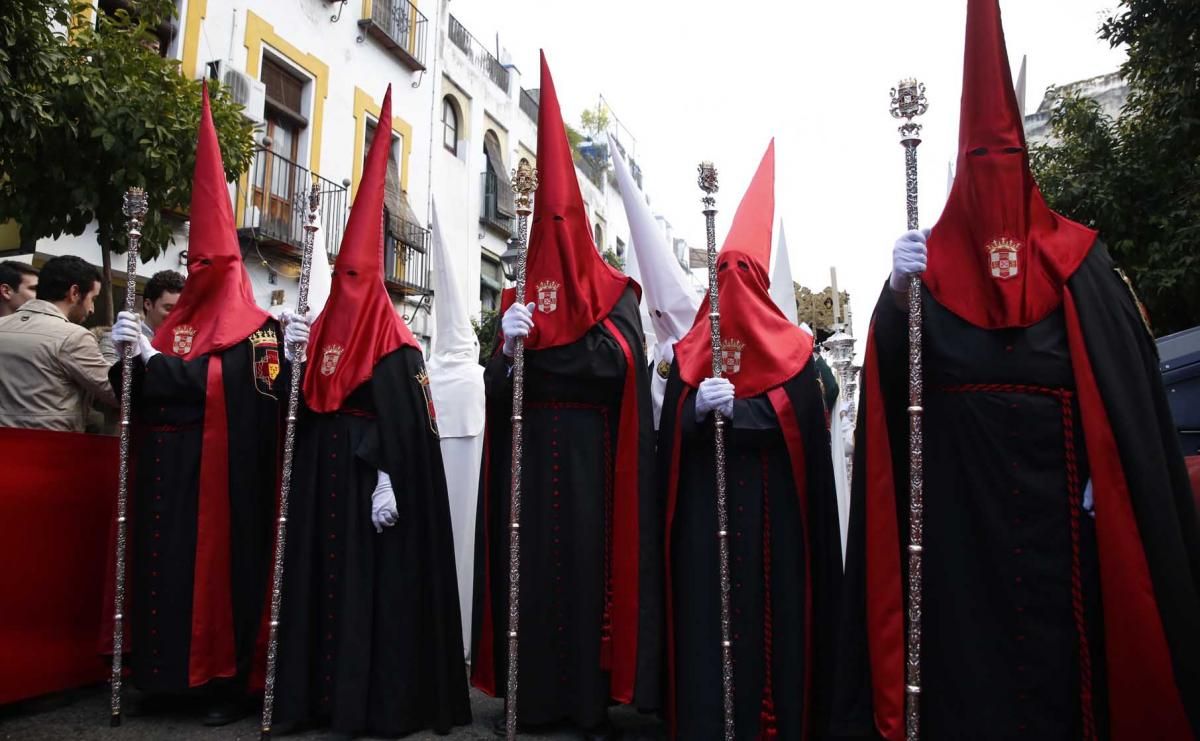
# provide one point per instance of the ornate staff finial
(908, 102)
(524, 183)
(134, 205)
(314, 204)
(707, 180)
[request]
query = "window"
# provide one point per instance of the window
(395, 209)
(499, 207)
(620, 247)
(278, 181)
(449, 126)
(491, 281)
(599, 235)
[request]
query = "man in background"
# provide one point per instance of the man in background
(18, 284)
(50, 366)
(159, 297)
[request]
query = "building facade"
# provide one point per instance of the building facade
(311, 75)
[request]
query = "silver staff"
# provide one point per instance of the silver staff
(708, 183)
(289, 451)
(134, 208)
(524, 183)
(908, 102)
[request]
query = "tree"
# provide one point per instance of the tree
(612, 258)
(1137, 179)
(487, 331)
(594, 121)
(89, 112)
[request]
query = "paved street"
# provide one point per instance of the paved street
(83, 715)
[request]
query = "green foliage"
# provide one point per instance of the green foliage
(573, 137)
(594, 121)
(487, 331)
(88, 112)
(1137, 179)
(612, 258)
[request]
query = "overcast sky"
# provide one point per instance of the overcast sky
(700, 79)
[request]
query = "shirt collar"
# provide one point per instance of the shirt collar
(38, 306)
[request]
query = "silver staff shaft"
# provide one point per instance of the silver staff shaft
(134, 207)
(908, 102)
(708, 183)
(289, 451)
(524, 184)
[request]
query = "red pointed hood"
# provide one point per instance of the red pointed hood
(359, 324)
(761, 349)
(998, 257)
(574, 288)
(216, 309)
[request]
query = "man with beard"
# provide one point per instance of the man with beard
(591, 565)
(1061, 558)
(785, 554)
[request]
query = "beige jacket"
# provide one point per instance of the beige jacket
(50, 370)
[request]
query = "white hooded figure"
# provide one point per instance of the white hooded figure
(783, 290)
(668, 302)
(456, 382)
(840, 445)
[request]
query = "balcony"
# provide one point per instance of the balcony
(496, 200)
(529, 105)
(400, 28)
(271, 200)
(478, 54)
(406, 258)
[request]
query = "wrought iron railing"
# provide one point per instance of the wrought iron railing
(529, 105)
(478, 53)
(271, 198)
(489, 212)
(406, 257)
(400, 28)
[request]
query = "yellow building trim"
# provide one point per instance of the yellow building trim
(366, 9)
(258, 33)
(197, 11)
(85, 17)
(10, 235)
(364, 104)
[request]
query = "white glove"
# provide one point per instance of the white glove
(383, 504)
(295, 334)
(908, 258)
(128, 330)
(516, 323)
(714, 393)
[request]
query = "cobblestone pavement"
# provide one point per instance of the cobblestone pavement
(83, 714)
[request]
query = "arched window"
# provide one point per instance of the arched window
(449, 125)
(599, 234)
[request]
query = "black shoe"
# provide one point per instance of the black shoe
(224, 711)
(600, 734)
(144, 704)
(603, 732)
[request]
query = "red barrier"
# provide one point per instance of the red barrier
(1193, 464)
(57, 493)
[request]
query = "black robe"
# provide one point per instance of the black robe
(772, 440)
(369, 629)
(1020, 592)
(572, 435)
(169, 398)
